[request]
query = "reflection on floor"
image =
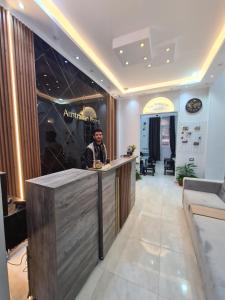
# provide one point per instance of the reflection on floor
(17, 272)
(152, 258)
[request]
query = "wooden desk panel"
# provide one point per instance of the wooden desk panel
(62, 213)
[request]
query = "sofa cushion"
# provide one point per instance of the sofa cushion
(202, 198)
(222, 192)
(211, 244)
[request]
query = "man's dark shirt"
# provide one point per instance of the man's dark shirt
(99, 154)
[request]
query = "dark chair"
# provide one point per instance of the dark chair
(169, 166)
(150, 166)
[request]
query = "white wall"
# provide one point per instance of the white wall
(215, 155)
(4, 287)
(129, 112)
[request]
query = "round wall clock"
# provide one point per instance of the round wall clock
(193, 105)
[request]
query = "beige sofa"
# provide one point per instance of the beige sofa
(207, 233)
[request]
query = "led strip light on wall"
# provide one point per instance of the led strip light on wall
(15, 105)
(57, 16)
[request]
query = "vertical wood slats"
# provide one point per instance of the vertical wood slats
(27, 105)
(124, 174)
(7, 132)
(111, 128)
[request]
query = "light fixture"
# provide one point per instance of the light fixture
(145, 58)
(66, 61)
(21, 6)
(49, 89)
(149, 66)
(101, 80)
(57, 81)
(168, 49)
(77, 57)
(142, 45)
(212, 76)
(168, 61)
(45, 75)
(47, 84)
(92, 82)
(121, 51)
(58, 87)
(127, 63)
(15, 108)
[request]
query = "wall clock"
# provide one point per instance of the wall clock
(193, 105)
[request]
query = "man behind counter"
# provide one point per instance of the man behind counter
(96, 150)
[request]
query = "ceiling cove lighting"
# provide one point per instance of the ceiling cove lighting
(15, 107)
(58, 17)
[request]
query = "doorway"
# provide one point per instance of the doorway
(158, 142)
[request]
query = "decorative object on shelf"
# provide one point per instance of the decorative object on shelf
(185, 128)
(193, 105)
(197, 128)
(188, 170)
(196, 143)
(130, 150)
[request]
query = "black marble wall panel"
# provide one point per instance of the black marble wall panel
(62, 88)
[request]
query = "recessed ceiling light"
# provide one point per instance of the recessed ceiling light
(92, 82)
(101, 80)
(145, 58)
(66, 61)
(168, 49)
(47, 84)
(212, 76)
(49, 89)
(45, 75)
(121, 51)
(77, 57)
(149, 66)
(57, 81)
(168, 61)
(58, 87)
(127, 63)
(21, 6)
(142, 45)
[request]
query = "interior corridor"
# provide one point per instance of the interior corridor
(152, 257)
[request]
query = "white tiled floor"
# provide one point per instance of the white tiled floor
(152, 257)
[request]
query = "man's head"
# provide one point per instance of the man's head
(98, 136)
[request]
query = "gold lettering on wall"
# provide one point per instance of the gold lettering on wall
(80, 116)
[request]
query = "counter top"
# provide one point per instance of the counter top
(59, 179)
(115, 164)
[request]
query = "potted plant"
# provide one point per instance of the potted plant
(188, 170)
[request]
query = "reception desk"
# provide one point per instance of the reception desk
(73, 218)
(116, 190)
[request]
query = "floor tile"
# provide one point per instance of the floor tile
(138, 263)
(112, 287)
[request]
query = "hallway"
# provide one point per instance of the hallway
(152, 257)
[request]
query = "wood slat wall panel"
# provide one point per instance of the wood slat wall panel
(111, 128)
(27, 99)
(24, 64)
(7, 133)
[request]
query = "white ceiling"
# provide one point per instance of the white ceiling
(190, 27)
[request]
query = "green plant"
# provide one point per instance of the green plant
(138, 175)
(188, 170)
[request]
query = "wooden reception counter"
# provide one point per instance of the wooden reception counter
(116, 190)
(73, 218)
